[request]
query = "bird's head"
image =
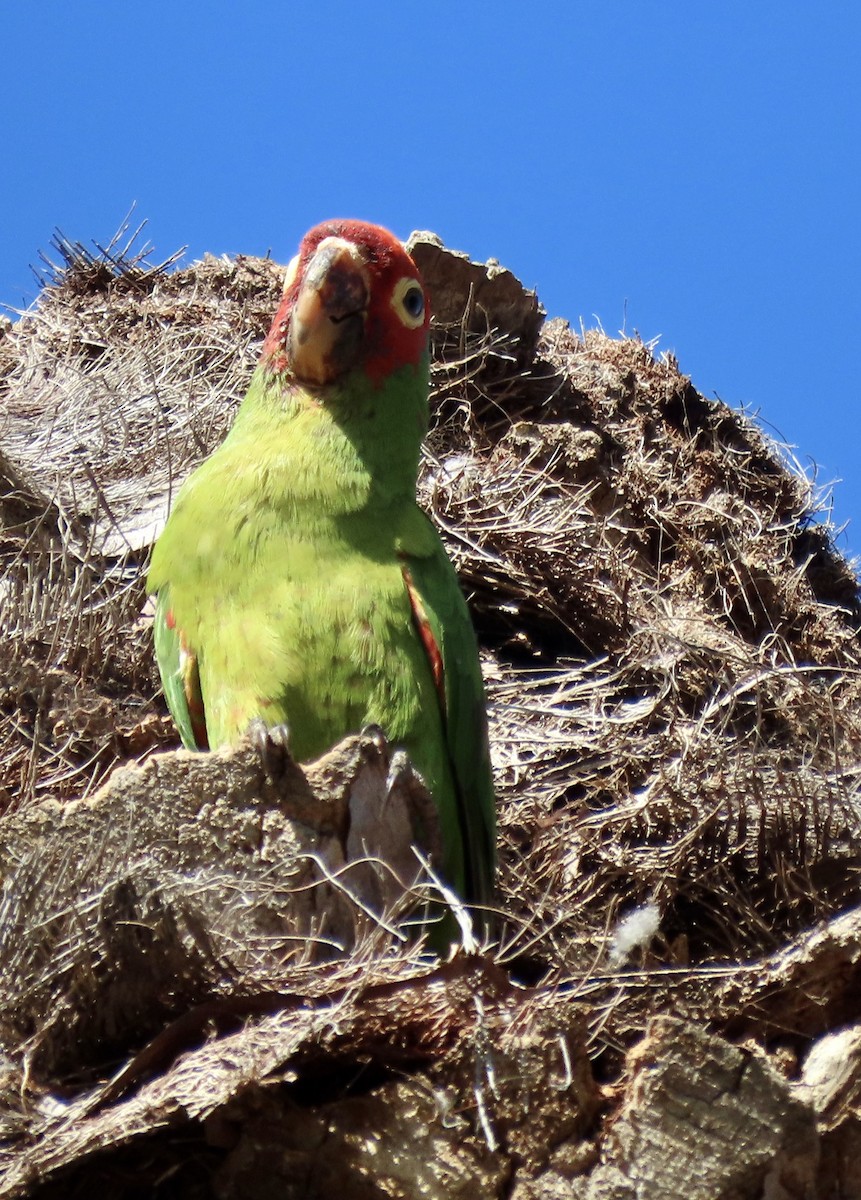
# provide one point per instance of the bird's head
(353, 298)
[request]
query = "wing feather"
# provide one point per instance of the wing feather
(180, 678)
(444, 626)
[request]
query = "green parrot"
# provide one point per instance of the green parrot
(297, 581)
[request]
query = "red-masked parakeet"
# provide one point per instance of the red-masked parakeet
(298, 582)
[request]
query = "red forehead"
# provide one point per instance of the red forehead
(384, 252)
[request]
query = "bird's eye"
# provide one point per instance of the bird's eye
(414, 303)
(408, 301)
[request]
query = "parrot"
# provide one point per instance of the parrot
(297, 582)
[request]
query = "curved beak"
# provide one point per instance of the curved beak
(327, 324)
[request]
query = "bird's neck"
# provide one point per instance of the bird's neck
(355, 445)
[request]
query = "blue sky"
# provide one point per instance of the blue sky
(684, 170)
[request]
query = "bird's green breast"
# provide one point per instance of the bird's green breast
(281, 560)
(326, 645)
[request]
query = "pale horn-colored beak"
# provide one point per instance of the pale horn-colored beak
(327, 324)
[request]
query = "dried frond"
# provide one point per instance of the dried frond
(671, 649)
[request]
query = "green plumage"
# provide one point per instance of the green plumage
(280, 581)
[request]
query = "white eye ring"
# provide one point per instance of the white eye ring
(408, 301)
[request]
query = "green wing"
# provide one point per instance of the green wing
(177, 666)
(438, 603)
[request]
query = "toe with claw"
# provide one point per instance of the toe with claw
(272, 743)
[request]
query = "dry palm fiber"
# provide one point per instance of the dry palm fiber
(670, 640)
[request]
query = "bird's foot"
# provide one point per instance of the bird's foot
(373, 744)
(374, 747)
(272, 743)
(402, 773)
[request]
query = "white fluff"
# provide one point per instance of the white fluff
(635, 930)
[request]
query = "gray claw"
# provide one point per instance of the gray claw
(374, 733)
(373, 743)
(272, 743)
(401, 771)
